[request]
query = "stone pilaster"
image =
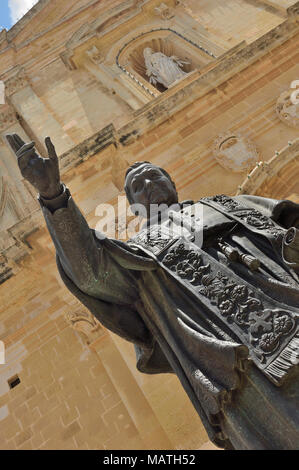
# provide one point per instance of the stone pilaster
(33, 111)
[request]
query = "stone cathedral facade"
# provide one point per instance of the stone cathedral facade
(214, 100)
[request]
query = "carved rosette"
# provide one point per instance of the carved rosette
(287, 107)
(270, 333)
(7, 117)
(16, 83)
(235, 152)
(86, 324)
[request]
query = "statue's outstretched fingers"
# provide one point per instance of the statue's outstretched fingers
(12, 142)
(25, 149)
(19, 141)
(51, 149)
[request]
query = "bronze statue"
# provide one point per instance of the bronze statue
(222, 314)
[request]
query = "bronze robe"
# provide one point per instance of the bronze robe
(172, 331)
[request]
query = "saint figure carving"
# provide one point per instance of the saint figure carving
(163, 69)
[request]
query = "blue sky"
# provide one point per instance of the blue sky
(12, 10)
(5, 19)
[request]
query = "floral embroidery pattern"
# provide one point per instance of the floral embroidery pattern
(263, 328)
(154, 239)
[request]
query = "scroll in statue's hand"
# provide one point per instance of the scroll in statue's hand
(42, 173)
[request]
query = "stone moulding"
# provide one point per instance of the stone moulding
(265, 170)
(88, 148)
(3, 195)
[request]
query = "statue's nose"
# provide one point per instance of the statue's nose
(148, 185)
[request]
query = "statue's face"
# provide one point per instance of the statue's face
(147, 51)
(148, 185)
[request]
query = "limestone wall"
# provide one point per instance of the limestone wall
(79, 388)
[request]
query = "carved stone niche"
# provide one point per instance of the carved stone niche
(131, 57)
(235, 152)
(86, 324)
(287, 106)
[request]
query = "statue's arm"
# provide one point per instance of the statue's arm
(83, 259)
(285, 212)
(74, 242)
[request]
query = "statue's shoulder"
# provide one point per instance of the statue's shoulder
(265, 205)
(257, 206)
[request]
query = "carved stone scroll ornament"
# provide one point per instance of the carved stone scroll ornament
(164, 11)
(86, 324)
(235, 152)
(287, 107)
(8, 117)
(95, 55)
(16, 82)
(163, 69)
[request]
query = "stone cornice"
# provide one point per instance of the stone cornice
(22, 23)
(17, 27)
(216, 73)
(88, 148)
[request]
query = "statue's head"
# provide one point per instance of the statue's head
(147, 51)
(148, 184)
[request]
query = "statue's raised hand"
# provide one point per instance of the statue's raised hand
(42, 173)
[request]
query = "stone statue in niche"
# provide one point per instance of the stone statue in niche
(221, 314)
(163, 69)
(287, 106)
(235, 152)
